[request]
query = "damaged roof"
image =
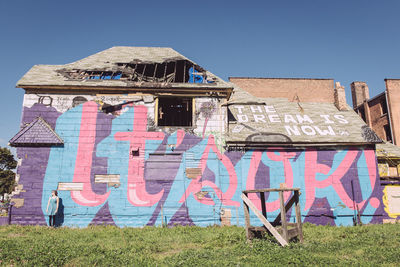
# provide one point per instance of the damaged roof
(126, 67)
(256, 121)
(387, 150)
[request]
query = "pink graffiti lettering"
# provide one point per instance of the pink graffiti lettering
(137, 194)
(371, 164)
(313, 167)
(84, 158)
(196, 185)
(180, 134)
(255, 162)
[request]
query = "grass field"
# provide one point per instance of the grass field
(194, 246)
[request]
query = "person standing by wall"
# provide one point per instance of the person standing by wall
(52, 207)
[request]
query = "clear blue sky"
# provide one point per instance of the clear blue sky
(345, 40)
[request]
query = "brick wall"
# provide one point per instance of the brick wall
(307, 90)
(393, 93)
(378, 119)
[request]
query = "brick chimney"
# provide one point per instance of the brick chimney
(359, 93)
(340, 97)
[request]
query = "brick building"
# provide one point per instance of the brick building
(137, 136)
(382, 112)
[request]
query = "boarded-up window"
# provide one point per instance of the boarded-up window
(392, 171)
(162, 167)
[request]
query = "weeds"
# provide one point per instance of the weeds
(187, 246)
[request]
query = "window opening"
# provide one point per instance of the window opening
(383, 106)
(361, 112)
(387, 133)
(174, 111)
(231, 118)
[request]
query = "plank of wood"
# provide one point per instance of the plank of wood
(270, 190)
(292, 233)
(283, 217)
(257, 228)
(193, 173)
(70, 187)
(270, 228)
(263, 208)
(247, 219)
(106, 178)
(298, 216)
(287, 207)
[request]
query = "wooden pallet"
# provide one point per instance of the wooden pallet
(282, 230)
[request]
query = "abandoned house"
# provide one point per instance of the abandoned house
(137, 136)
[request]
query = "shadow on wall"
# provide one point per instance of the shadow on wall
(59, 219)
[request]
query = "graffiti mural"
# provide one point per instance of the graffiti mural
(181, 178)
(391, 201)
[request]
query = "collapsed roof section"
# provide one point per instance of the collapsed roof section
(146, 69)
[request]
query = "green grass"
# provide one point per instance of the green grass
(194, 246)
